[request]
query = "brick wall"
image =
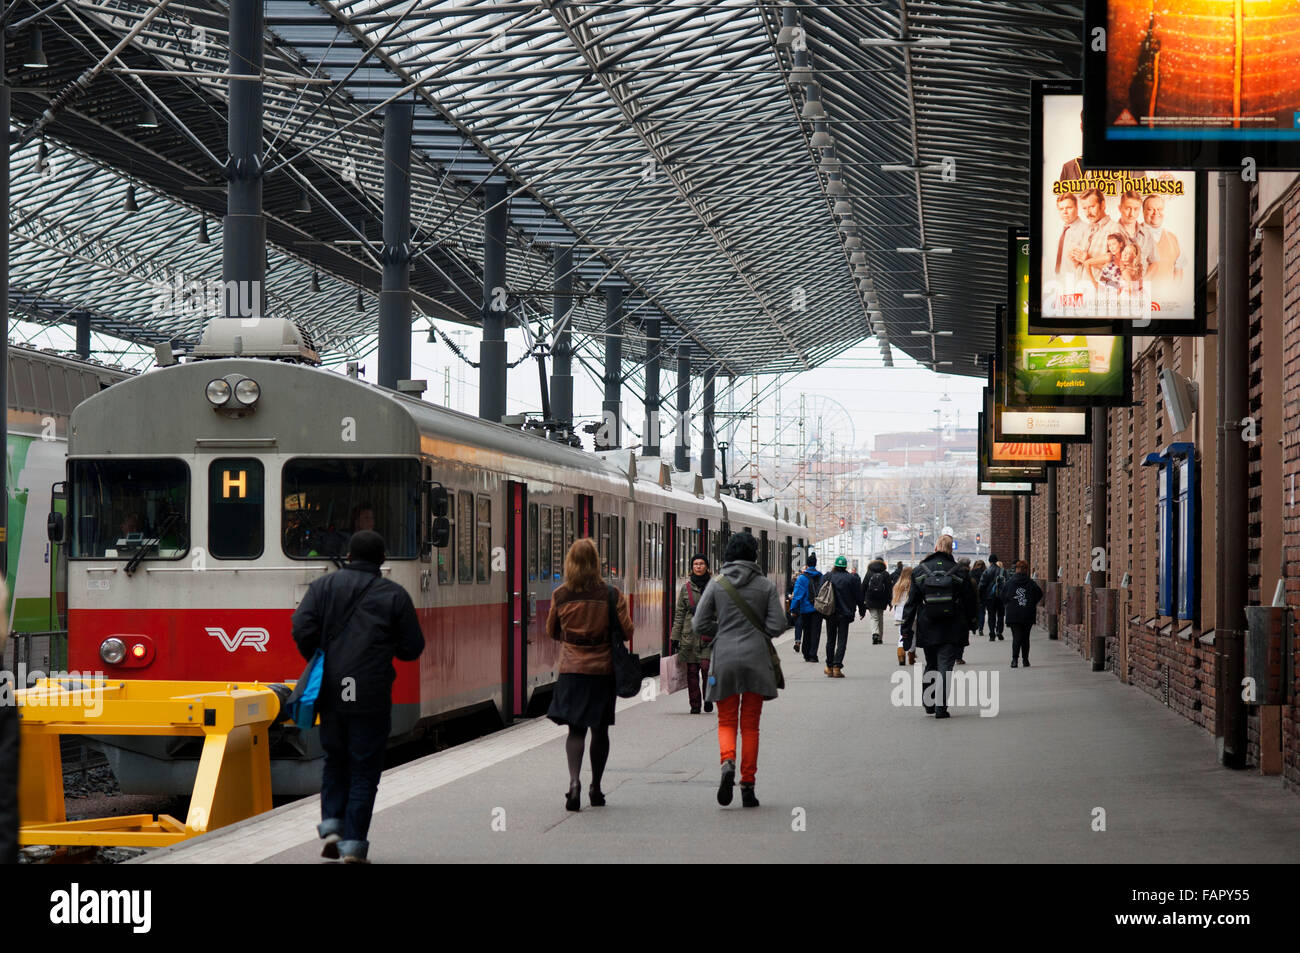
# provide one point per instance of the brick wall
(1002, 526)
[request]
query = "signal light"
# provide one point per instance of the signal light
(841, 522)
(978, 539)
(884, 533)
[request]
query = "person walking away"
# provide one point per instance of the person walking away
(976, 574)
(848, 597)
(739, 613)
(961, 652)
(938, 615)
(807, 620)
(897, 573)
(991, 596)
(361, 622)
(876, 591)
(898, 600)
(1021, 596)
(8, 753)
(695, 655)
(583, 614)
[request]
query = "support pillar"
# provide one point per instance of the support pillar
(1233, 477)
(83, 334)
(562, 353)
(395, 289)
(492, 352)
(1100, 467)
(707, 454)
(611, 409)
(682, 454)
(1054, 620)
(650, 441)
(243, 231)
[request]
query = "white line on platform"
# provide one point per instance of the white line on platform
(273, 833)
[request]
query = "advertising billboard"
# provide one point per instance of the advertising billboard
(1065, 369)
(1013, 452)
(1111, 250)
(1036, 424)
(1019, 470)
(1192, 84)
(992, 481)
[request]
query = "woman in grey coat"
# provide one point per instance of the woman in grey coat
(741, 676)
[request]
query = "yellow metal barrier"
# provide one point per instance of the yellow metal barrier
(234, 779)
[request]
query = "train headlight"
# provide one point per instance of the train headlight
(218, 392)
(247, 391)
(112, 651)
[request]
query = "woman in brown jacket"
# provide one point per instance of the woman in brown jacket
(584, 691)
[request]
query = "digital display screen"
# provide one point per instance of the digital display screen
(1066, 368)
(1193, 84)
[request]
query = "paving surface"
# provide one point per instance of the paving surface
(845, 775)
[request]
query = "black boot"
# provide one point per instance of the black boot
(727, 785)
(747, 798)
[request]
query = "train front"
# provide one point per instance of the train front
(203, 499)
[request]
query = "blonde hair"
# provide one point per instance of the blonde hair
(582, 566)
(943, 544)
(903, 585)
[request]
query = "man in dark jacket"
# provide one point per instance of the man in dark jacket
(976, 574)
(848, 597)
(939, 611)
(1021, 596)
(361, 620)
(877, 590)
(991, 583)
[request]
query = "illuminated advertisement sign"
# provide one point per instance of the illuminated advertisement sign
(1112, 250)
(1038, 424)
(1025, 452)
(1062, 369)
(992, 481)
(1192, 84)
(1020, 470)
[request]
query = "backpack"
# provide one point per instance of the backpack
(878, 585)
(995, 587)
(825, 601)
(939, 590)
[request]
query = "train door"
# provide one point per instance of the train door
(518, 600)
(670, 576)
(586, 518)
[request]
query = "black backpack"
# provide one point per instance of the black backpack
(939, 587)
(878, 585)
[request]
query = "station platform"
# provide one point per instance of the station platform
(845, 775)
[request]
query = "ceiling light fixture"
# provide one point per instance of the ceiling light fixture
(890, 41)
(203, 231)
(909, 167)
(148, 119)
(130, 204)
(34, 55)
(304, 204)
(924, 251)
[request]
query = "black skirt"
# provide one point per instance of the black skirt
(583, 701)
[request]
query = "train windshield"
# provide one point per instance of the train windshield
(326, 501)
(120, 507)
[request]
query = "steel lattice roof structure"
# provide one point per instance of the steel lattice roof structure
(678, 146)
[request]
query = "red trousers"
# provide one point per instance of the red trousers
(744, 709)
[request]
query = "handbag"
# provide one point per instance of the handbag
(301, 704)
(627, 666)
(747, 611)
(672, 674)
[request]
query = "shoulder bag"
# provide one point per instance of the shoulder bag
(627, 666)
(748, 612)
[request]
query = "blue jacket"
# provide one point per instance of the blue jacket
(805, 591)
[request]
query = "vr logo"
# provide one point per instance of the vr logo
(252, 636)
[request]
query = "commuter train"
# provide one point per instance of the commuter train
(44, 386)
(204, 498)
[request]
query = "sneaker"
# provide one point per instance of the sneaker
(797, 647)
(708, 707)
(877, 640)
(942, 713)
(727, 785)
(330, 851)
(747, 795)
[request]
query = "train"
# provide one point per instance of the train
(44, 386)
(204, 497)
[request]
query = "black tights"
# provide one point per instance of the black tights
(599, 753)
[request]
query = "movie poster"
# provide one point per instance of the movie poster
(1194, 83)
(1116, 246)
(1062, 368)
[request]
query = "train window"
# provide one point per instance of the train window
(568, 529)
(235, 508)
(531, 542)
(620, 543)
(602, 543)
(119, 507)
(465, 538)
(640, 549)
(544, 547)
(446, 555)
(483, 538)
(327, 500)
(557, 544)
